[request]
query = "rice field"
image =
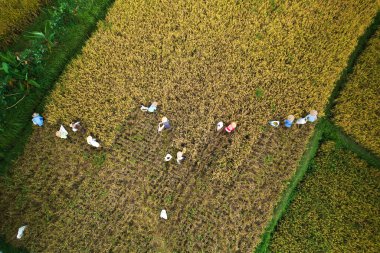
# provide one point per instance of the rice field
(359, 117)
(336, 207)
(204, 62)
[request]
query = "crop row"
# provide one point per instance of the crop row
(358, 107)
(203, 61)
(336, 208)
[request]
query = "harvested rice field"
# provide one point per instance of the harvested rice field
(204, 62)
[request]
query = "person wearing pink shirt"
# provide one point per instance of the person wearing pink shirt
(231, 127)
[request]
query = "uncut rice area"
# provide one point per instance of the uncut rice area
(202, 67)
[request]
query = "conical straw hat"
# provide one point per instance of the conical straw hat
(291, 117)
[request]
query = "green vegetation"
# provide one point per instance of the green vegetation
(7, 248)
(335, 209)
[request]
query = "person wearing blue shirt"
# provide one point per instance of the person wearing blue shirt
(37, 119)
(151, 108)
(289, 121)
(312, 116)
(164, 124)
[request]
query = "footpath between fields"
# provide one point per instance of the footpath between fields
(324, 130)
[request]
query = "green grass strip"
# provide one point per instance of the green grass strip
(324, 129)
(70, 42)
(335, 133)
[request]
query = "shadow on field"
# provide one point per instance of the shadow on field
(8, 248)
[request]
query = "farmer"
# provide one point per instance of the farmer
(180, 156)
(301, 121)
(289, 121)
(20, 232)
(151, 108)
(274, 123)
(164, 124)
(62, 133)
(37, 119)
(312, 116)
(75, 126)
(231, 127)
(92, 141)
(164, 214)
